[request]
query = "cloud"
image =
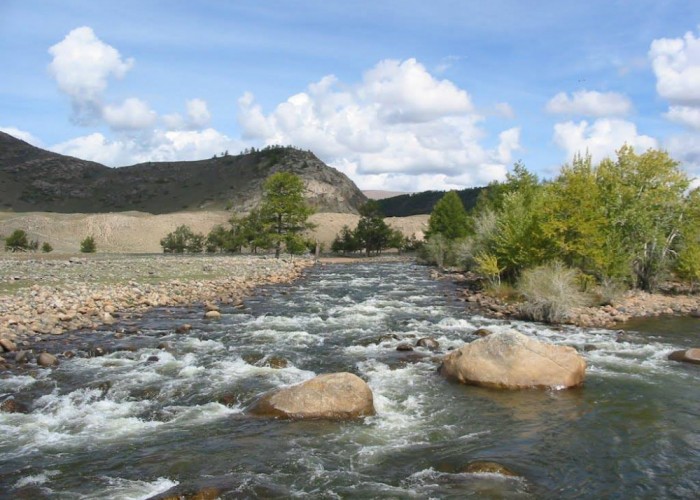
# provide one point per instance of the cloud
(399, 122)
(590, 103)
(685, 115)
(132, 114)
(686, 149)
(198, 117)
(157, 146)
(81, 66)
(23, 135)
(198, 113)
(601, 138)
(505, 110)
(676, 64)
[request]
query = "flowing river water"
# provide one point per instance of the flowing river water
(168, 412)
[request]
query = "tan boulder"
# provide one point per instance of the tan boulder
(212, 315)
(336, 396)
(511, 360)
(686, 356)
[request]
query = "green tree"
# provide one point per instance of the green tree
(449, 218)
(17, 241)
(88, 245)
(183, 239)
(284, 210)
(345, 242)
(372, 233)
(254, 232)
(646, 207)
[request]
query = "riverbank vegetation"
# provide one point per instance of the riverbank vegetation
(279, 223)
(371, 236)
(629, 222)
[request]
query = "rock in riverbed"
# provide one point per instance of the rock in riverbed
(511, 360)
(46, 360)
(687, 356)
(335, 396)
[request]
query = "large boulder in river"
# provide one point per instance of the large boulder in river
(511, 360)
(336, 396)
(686, 356)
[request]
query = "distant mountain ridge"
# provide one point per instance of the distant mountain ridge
(33, 179)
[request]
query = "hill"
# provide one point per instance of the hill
(422, 203)
(36, 180)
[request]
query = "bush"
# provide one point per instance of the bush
(46, 247)
(550, 292)
(88, 245)
(17, 241)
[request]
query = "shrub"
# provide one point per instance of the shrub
(486, 265)
(88, 245)
(17, 241)
(550, 292)
(46, 247)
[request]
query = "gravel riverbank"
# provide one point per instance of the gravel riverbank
(632, 304)
(50, 295)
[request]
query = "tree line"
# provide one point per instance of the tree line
(626, 222)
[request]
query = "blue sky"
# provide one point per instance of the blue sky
(399, 95)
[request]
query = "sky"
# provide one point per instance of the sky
(400, 95)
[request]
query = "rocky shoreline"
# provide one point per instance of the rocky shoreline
(632, 304)
(52, 296)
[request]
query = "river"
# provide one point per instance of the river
(166, 412)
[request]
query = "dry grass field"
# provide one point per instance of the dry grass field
(139, 232)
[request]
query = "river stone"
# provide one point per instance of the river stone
(429, 343)
(7, 345)
(511, 360)
(45, 359)
(336, 396)
(212, 315)
(482, 332)
(686, 356)
(12, 406)
(184, 328)
(404, 347)
(484, 467)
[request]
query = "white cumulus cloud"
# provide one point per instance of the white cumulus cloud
(676, 64)
(685, 115)
(198, 113)
(81, 66)
(590, 103)
(22, 135)
(398, 126)
(156, 146)
(601, 138)
(132, 114)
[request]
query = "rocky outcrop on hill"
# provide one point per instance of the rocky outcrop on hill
(35, 180)
(511, 360)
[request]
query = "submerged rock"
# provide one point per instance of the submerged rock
(484, 467)
(404, 347)
(336, 396)
(429, 343)
(12, 406)
(511, 360)
(686, 356)
(184, 328)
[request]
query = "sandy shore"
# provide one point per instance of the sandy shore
(50, 295)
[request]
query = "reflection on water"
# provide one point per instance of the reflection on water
(166, 410)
